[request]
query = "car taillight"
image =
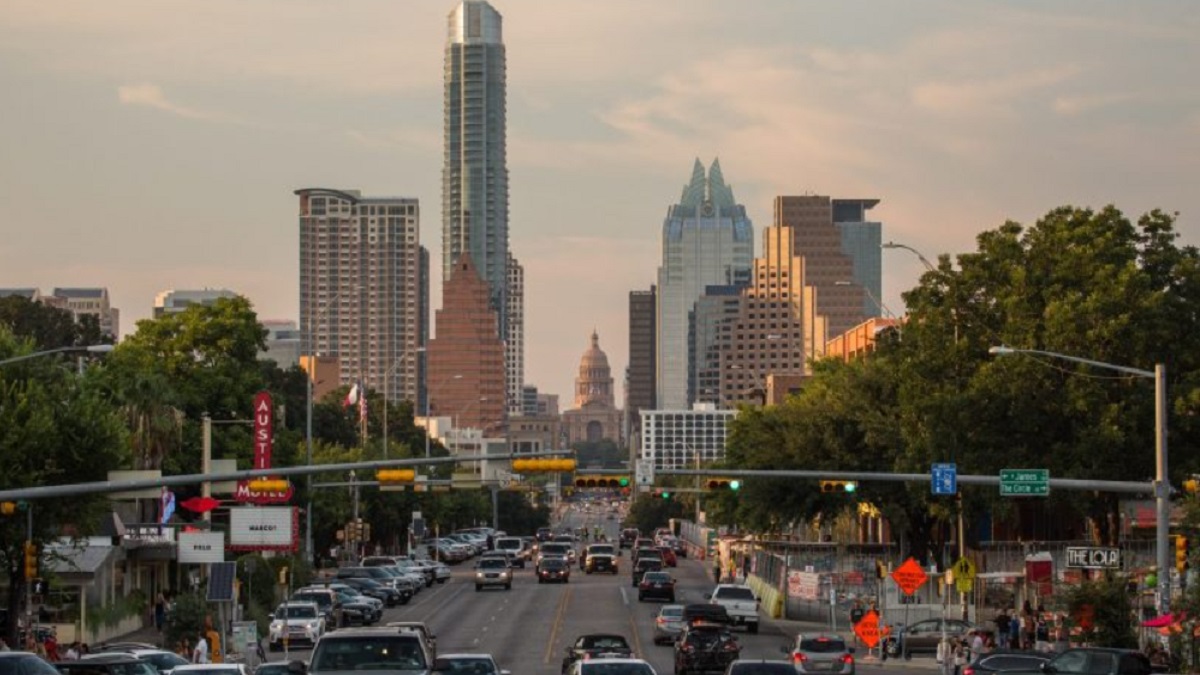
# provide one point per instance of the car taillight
(660, 620)
(799, 658)
(968, 671)
(850, 659)
(731, 647)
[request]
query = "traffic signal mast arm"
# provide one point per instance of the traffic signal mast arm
(1129, 487)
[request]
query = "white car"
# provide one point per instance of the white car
(211, 669)
(468, 664)
(603, 665)
(298, 622)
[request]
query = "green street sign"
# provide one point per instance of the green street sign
(1024, 482)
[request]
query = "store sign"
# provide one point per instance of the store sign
(1093, 558)
(262, 528)
(201, 547)
(264, 441)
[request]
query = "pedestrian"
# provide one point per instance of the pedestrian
(1002, 621)
(960, 656)
(976, 645)
(1014, 630)
(160, 611)
(200, 651)
(73, 651)
(1042, 634)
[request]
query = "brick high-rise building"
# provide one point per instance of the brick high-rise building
(828, 265)
(359, 282)
(466, 357)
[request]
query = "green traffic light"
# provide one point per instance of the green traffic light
(851, 486)
(624, 482)
(666, 495)
(735, 484)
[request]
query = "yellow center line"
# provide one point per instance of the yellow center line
(637, 640)
(558, 618)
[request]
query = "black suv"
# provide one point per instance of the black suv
(705, 646)
(645, 565)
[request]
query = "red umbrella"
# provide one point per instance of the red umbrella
(201, 504)
(1159, 621)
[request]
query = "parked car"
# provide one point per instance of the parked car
(1092, 661)
(924, 636)
(1006, 659)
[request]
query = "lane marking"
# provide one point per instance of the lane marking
(637, 640)
(433, 612)
(624, 598)
(558, 618)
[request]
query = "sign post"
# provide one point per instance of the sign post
(944, 479)
(909, 577)
(964, 575)
(1024, 482)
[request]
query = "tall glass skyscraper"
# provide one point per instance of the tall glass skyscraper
(475, 166)
(707, 240)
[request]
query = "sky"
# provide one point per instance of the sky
(149, 145)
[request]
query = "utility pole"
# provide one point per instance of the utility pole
(206, 460)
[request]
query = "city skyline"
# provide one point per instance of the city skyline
(957, 117)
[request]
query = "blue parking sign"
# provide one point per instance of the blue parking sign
(944, 479)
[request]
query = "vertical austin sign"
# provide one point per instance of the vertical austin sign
(264, 438)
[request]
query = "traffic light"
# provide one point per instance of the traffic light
(8, 508)
(31, 561)
(723, 484)
(395, 476)
(543, 465)
(1181, 553)
(1191, 485)
(262, 486)
(594, 481)
(665, 494)
(838, 486)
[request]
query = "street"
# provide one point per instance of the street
(528, 628)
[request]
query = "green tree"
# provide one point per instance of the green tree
(648, 512)
(55, 428)
(1103, 612)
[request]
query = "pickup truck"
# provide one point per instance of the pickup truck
(739, 602)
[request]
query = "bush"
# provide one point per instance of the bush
(185, 619)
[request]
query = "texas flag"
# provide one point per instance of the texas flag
(351, 396)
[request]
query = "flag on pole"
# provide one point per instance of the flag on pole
(362, 408)
(351, 396)
(166, 506)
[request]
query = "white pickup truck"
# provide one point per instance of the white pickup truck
(739, 602)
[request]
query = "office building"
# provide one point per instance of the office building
(778, 328)
(283, 342)
(862, 240)
(466, 356)
(475, 168)
(514, 341)
(359, 286)
(595, 416)
(423, 336)
(90, 302)
(175, 301)
(707, 240)
(718, 306)
(639, 373)
(841, 296)
(683, 439)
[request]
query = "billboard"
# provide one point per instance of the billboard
(201, 547)
(263, 528)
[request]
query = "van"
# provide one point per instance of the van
(515, 547)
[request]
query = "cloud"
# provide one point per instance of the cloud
(151, 96)
(988, 96)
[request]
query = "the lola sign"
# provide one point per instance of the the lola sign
(264, 438)
(1093, 558)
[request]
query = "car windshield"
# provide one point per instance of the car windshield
(822, 645)
(296, 612)
(660, 577)
(26, 665)
(602, 548)
(558, 549)
(164, 661)
(369, 653)
(616, 668)
(671, 612)
(509, 544)
(321, 599)
(734, 593)
(603, 642)
(493, 563)
(553, 564)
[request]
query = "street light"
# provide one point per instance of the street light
(925, 261)
(90, 349)
(387, 380)
(871, 296)
(1162, 488)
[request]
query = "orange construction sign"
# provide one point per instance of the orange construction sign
(867, 629)
(909, 576)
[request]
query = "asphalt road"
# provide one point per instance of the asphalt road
(527, 629)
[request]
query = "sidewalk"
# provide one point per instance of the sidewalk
(148, 635)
